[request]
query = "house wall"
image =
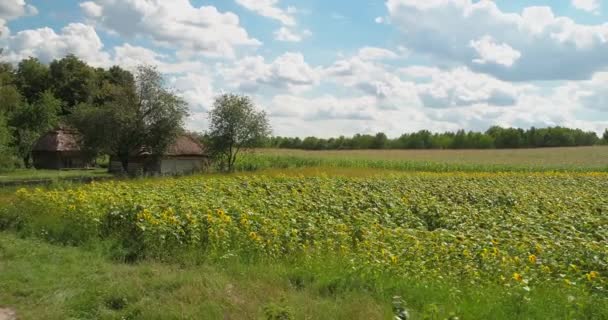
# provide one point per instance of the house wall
(58, 160)
(171, 166)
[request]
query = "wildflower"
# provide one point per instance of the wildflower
(592, 275)
(532, 259)
(518, 277)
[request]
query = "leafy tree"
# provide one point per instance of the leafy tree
(10, 97)
(73, 82)
(33, 120)
(6, 152)
(134, 115)
(33, 78)
(605, 136)
(235, 125)
(380, 141)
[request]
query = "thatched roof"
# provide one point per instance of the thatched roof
(59, 140)
(185, 145)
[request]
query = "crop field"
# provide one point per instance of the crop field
(542, 159)
(533, 243)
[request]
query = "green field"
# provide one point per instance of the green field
(319, 235)
(545, 159)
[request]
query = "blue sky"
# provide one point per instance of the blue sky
(329, 68)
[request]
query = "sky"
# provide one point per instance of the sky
(330, 68)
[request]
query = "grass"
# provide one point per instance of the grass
(566, 159)
(42, 281)
(33, 174)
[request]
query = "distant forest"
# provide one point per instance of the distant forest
(494, 138)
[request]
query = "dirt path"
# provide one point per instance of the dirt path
(7, 314)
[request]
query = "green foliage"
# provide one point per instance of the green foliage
(605, 136)
(73, 81)
(33, 120)
(7, 161)
(235, 125)
(33, 78)
(495, 137)
(134, 115)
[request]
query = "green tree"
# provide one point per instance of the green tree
(73, 81)
(33, 120)
(10, 97)
(135, 115)
(6, 152)
(33, 78)
(235, 125)
(605, 136)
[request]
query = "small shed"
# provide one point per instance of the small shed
(184, 156)
(59, 149)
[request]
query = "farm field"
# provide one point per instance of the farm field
(477, 245)
(568, 159)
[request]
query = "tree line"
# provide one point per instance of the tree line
(494, 138)
(116, 112)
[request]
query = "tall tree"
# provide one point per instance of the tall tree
(32, 120)
(73, 82)
(33, 78)
(235, 125)
(134, 115)
(605, 136)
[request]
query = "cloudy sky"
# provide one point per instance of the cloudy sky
(328, 68)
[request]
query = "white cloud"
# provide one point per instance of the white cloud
(91, 9)
(593, 94)
(44, 43)
(288, 71)
(461, 87)
(269, 9)
(372, 53)
(491, 52)
(288, 35)
(174, 24)
(325, 107)
(366, 73)
(12, 9)
(550, 47)
(587, 5)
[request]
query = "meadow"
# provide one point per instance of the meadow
(329, 243)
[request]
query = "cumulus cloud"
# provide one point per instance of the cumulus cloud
(174, 24)
(269, 9)
(44, 43)
(12, 9)
(593, 93)
(289, 35)
(587, 5)
(549, 47)
(461, 87)
(288, 71)
(325, 107)
(491, 52)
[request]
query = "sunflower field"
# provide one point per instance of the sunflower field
(520, 230)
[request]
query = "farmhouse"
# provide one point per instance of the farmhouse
(185, 155)
(59, 149)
